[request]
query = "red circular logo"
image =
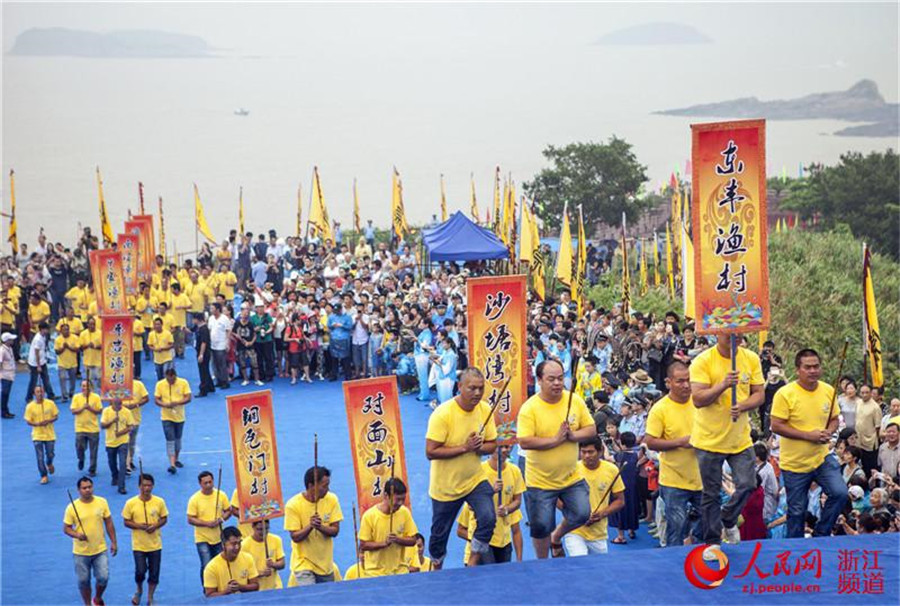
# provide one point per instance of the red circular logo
(699, 573)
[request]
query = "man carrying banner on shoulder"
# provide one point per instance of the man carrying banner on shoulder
(454, 444)
(805, 415)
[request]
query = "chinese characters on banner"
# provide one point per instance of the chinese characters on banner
(497, 310)
(109, 281)
(251, 420)
(116, 357)
(376, 436)
(142, 225)
(128, 246)
(728, 213)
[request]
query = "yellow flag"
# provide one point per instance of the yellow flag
(474, 202)
(577, 289)
(496, 198)
(162, 231)
(299, 210)
(356, 222)
(870, 322)
(564, 258)
(398, 213)
(105, 228)
(443, 201)
(687, 270)
(13, 228)
(530, 250)
(318, 215)
(626, 273)
(656, 279)
(670, 272)
(643, 270)
(199, 218)
(241, 212)
(526, 248)
(763, 337)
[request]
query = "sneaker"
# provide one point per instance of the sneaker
(245, 383)
(45, 480)
(171, 469)
(293, 381)
(709, 554)
(733, 535)
(260, 383)
(123, 491)
(50, 468)
(80, 464)
(179, 464)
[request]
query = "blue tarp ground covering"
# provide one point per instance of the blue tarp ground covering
(459, 239)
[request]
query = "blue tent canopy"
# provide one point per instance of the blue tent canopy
(459, 239)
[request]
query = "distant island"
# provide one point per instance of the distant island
(862, 102)
(143, 44)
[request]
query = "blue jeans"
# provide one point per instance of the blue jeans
(173, 431)
(541, 507)
(360, 355)
(99, 564)
(162, 368)
(67, 378)
(115, 456)
(44, 375)
(443, 517)
(828, 476)
(207, 551)
(676, 501)
(713, 514)
(44, 452)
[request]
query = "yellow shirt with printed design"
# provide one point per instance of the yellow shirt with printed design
(257, 549)
(143, 306)
(450, 425)
(161, 339)
(552, 469)
(179, 316)
(91, 515)
(138, 393)
(807, 411)
(90, 343)
(219, 571)
(669, 420)
(316, 552)
(86, 420)
(175, 392)
(713, 428)
(145, 512)
(124, 420)
(598, 481)
(206, 507)
(197, 294)
(227, 281)
(38, 412)
(375, 526)
(66, 358)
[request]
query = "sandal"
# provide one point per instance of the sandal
(619, 541)
(136, 599)
(557, 550)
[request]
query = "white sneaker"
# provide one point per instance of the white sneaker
(293, 381)
(733, 535)
(245, 382)
(709, 554)
(259, 383)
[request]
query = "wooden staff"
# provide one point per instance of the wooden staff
(837, 380)
(609, 488)
(494, 407)
(499, 478)
(265, 524)
(734, 405)
(316, 473)
(75, 509)
(391, 495)
(356, 540)
(216, 513)
(140, 473)
(571, 391)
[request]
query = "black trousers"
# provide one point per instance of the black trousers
(206, 382)
(265, 354)
(136, 357)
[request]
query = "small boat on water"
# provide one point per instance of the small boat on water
(241, 112)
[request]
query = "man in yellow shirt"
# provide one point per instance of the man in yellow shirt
(38, 310)
(67, 348)
(172, 394)
(226, 281)
(143, 306)
(722, 433)
(84, 521)
(79, 299)
(118, 422)
(181, 303)
(313, 518)
(231, 571)
(162, 344)
(454, 445)
(91, 343)
(805, 415)
(41, 414)
(145, 515)
(386, 531)
(669, 428)
(196, 290)
(207, 510)
(138, 333)
(605, 500)
(134, 404)
(86, 408)
(550, 426)
(75, 324)
(268, 554)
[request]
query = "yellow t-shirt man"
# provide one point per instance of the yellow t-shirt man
(138, 393)
(124, 420)
(66, 351)
(713, 428)
(175, 392)
(90, 341)
(38, 412)
(669, 420)
(92, 516)
(316, 552)
(156, 341)
(137, 333)
(257, 549)
(203, 507)
(179, 316)
(807, 411)
(227, 280)
(375, 526)
(38, 313)
(75, 325)
(449, 424)
(598, 481)
(10, 309)
(86, 420)
(553, 469)
(80, 301)
(513, 485)
(219, 571)
(145, 512)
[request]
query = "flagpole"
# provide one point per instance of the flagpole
(309, 210)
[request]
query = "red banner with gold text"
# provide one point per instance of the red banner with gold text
(109, 281)
(143, 226)
(376, 436)
(129, 247)
(251, 420)
(116, 351)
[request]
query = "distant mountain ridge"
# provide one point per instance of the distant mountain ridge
(60, 41)
(862, 102)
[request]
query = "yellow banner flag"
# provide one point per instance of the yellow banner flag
(443, 201)
(200, 218)
(644, 287)
(13, 228)
(564, 257)
(474, 201)
(105, 228)
(537, 256)
(162, 231)
(577, 290)
(318, 214)
(356, 221)
(687, 271)
(870, 322)
(763, 337)
(299, 210)
(670, 272)
(657, 282)
(626, 273)
(496, 198)
(241, 212)
(398, 213)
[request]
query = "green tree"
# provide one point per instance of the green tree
(604, 178)
(862, 192)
